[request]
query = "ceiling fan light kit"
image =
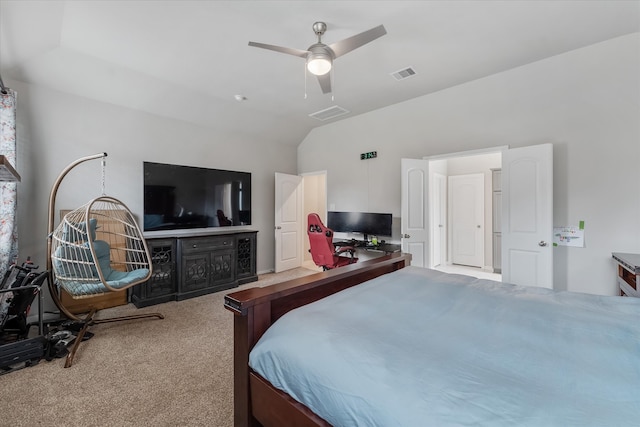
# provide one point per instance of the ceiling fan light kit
(319, 61)
(319, 57)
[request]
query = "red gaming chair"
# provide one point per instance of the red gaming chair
(323, 252)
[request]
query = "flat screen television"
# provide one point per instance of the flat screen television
(182, 197)
(367, 223)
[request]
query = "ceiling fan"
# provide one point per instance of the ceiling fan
(319, 56)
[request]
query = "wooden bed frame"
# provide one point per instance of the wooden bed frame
(256, 401)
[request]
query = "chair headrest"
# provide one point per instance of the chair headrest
(316, 225)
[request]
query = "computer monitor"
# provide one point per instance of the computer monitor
(378, 224)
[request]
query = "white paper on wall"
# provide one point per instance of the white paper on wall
(568, 236)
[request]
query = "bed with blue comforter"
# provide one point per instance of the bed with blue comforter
(418, 347)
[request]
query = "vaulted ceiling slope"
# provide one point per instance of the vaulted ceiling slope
(189, 59)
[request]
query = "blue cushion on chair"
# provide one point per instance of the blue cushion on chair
(119, 279)
(115, 278)
(103, 250)
(78, 232)
(78, 274)
(74, 261)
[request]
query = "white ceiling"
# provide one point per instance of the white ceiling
(188, 59)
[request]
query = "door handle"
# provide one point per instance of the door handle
(542, 243)
(406, 236)
(278, 227)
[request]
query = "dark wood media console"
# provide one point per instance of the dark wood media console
(187, 265)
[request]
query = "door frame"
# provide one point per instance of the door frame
(322, 207)
(438, 204)
(546, 169)
(319, 199)
(447, 156)
(489, 150)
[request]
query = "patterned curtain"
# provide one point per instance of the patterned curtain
(8, 194)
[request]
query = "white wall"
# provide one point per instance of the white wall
(55, 129)
(586, 102)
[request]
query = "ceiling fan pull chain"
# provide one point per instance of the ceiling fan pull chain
(104, 168)
(333, 85)
(305, 81)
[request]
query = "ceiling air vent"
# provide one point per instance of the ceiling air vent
(405, 73)
(329, 113)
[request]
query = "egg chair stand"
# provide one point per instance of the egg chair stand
(96, 249)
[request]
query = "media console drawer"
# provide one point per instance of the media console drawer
(199, 244)
(187, 266)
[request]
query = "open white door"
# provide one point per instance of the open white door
(289, 221)
(414, 214)
(527, 216)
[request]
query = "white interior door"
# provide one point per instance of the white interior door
(289, 221)
(466, 211)
(438, 219)
(414, 214)
(527, 216)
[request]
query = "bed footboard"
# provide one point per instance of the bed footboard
(256, 309)
(276, 408)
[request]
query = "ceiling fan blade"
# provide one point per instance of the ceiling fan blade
(287, 50)
(325, 82)
(354, 42)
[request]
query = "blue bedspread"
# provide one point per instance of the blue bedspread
(422, 348)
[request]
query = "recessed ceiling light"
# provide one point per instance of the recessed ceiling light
(240, 98)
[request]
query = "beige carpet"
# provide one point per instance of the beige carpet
(172, 372)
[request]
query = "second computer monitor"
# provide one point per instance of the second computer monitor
(368, 223)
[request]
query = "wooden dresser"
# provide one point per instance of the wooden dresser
(628, 273)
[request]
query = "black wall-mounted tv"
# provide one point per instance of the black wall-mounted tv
(182, 197)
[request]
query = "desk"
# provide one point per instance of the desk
(364, 253)
(386, 249)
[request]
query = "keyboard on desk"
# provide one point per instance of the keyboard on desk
(342, 243)
(383, 247)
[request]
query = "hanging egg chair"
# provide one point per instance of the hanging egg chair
(96, 249)
(107, 256)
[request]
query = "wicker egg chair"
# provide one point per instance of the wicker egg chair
(96, 249)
